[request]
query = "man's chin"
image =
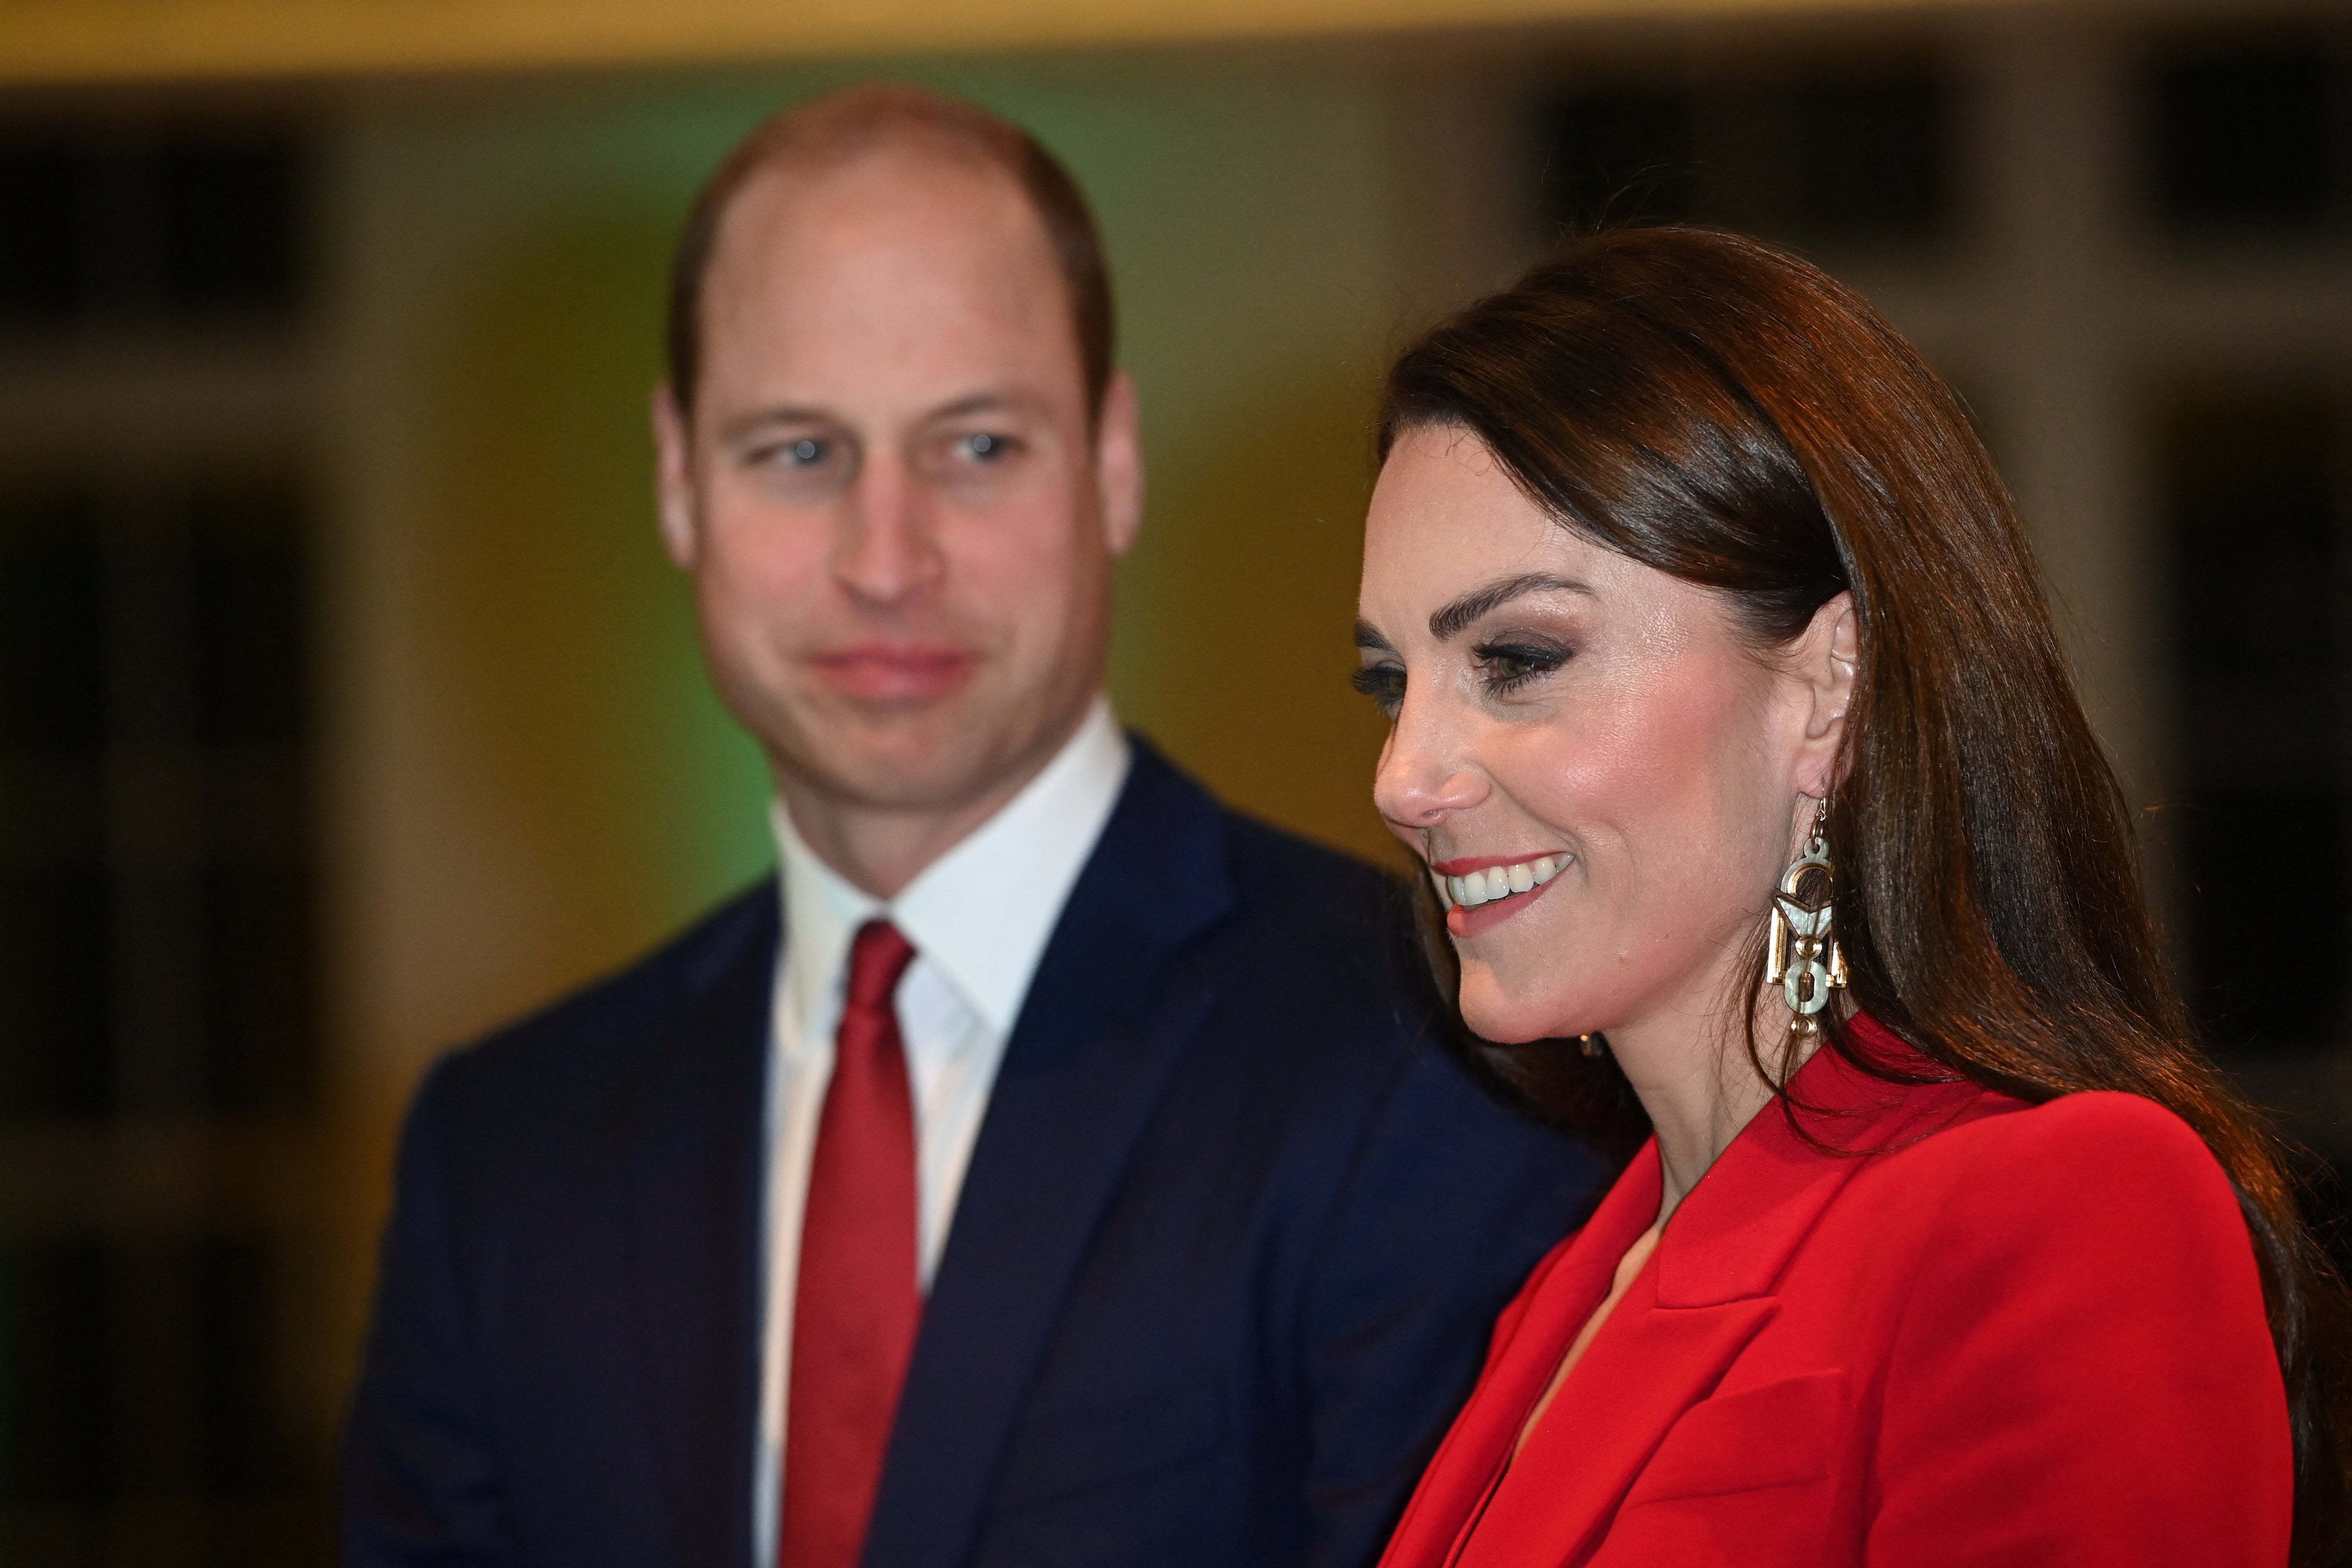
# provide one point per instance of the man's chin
(937, 756)
(917, 763)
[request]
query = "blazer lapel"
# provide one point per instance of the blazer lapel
(694, 1171)
(1519, 1367)
(1707, 1292)
(1107, 1019)
(1648, 1365)
(1736, 1232)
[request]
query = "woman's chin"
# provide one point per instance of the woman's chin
(1503, 1019)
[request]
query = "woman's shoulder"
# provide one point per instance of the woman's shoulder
(2065, 1307)
(2092, 1231)
(2095, 1134)
(2097, 1174)
(2085, 1134)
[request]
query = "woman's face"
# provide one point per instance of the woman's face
(1587, 735)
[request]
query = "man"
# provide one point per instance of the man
(1049, 1166)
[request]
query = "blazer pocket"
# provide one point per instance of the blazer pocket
(1777, 1434)
(1080, 1447)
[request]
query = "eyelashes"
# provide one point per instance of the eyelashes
(1503, 668)
(1510, 665)
(1383, 683)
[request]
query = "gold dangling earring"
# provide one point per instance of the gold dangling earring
(1592, 1045)
(1806, 960)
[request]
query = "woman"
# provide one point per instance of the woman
(1730, 722)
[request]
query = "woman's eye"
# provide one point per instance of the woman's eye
(1506, 668)
(983, 448)
(1510, 667)
(806, 452)
(1383, 683)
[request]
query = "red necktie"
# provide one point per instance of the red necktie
(857, 1303)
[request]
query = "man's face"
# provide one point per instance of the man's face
(899, 527)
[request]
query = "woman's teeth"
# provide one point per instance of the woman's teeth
(1475, 888)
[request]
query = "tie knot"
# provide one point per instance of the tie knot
(878, 956)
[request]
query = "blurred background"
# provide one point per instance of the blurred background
(347, 704)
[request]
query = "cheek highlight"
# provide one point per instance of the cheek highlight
(1663, 793)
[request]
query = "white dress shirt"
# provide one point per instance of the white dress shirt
(979, 918)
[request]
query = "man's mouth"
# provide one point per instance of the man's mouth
(877, 672)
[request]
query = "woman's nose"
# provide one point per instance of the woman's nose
(1424, 778)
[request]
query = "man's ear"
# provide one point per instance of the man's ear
(1118, 464)
(1828, 657)
(674, 478)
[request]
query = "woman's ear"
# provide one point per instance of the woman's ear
(1828, 654)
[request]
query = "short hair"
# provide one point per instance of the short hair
(839, 127)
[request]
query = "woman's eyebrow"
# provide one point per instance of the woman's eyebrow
(1369, 635)
(1449, 621)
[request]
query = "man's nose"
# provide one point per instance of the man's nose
(887, 549)
(1424, 775)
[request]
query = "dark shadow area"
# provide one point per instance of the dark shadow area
(159, 973)
(2250, 134)
(1845, 155)
(2253, 478)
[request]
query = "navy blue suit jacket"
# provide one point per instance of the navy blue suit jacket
(1223, 1264)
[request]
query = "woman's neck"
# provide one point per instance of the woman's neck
(1694, 1075)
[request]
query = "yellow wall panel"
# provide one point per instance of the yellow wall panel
(102, 40)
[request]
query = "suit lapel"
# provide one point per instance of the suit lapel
(694, 1183)
(1107, 1019)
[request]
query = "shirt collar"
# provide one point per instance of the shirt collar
(983, 911)
(822, 913)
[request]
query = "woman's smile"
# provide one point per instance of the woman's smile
(1482, 891)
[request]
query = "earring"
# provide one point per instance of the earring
(1592, 1045)
(1805, 959)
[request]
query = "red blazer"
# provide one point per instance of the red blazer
(1985, 1333)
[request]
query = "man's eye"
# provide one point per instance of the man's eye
(983, 448)
(804, 452)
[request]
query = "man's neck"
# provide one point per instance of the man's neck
(879, 850)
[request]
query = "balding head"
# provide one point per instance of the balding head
(854, 123)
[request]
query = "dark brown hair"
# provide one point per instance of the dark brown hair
(837, 128)
(1718, 410)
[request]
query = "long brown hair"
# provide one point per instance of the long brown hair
(1724, 412)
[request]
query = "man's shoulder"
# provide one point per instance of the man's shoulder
(1313, 909)
(1277, 863)
(1318, 947)
(1274, 869)
(580, 1037)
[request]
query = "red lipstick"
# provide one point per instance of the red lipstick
(1464, 921)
